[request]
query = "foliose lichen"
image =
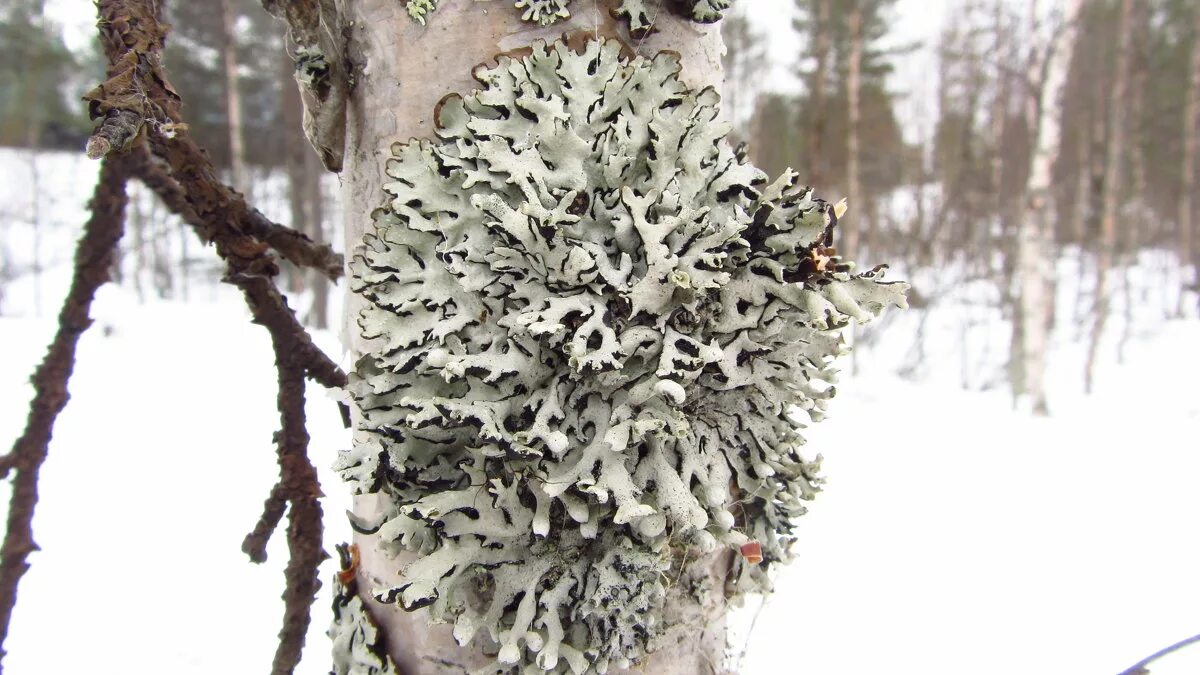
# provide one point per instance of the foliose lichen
(419, 9)
(640, 17)
(358, 647)
(595, 331)
(544, 12)
(636, 12)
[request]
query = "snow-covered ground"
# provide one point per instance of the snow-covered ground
(954, 535)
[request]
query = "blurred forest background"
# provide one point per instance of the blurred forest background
(939, 166)
(1028, 165)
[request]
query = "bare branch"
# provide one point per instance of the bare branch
(298, 483)
(179, 171)
(137, 95)
(255, 543)
(1141, 667)
(94, 257)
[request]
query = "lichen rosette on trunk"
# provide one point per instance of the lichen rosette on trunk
(594, 327)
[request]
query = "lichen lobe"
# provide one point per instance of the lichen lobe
(591, 322)
(640, 14)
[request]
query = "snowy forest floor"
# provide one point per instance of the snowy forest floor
(955, 535)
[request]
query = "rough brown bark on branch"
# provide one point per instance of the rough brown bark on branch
(133, 41)
(94, 257)
(255, 543)
(252, 270)
(179, 171)
(251, 274)
(298, 484)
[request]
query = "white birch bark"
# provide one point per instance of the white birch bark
(401, 71)
(1035, 234)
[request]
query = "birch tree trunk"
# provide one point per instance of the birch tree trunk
(852, 226)
(1191, 120)
(1112, 178)
(1035, 234)
(402, 70)
(233, 98)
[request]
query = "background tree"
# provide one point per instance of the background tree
(34, 108)
(845, 118)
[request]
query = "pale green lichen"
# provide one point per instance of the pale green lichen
(312, 68)
(709, 11)
(358, 647)
(641, 14)
(636, 12)
(591, 324)
(544, 12)
(419, 9)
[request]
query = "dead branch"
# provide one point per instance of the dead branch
(255, 543)
(94, 256)
(251, 270)
(298, 484)
(1142, 667)
(137, 96)
(137, 102)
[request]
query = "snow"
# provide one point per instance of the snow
(955, 534)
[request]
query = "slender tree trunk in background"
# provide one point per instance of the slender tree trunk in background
(318, 315)
(305, 198)
(1112, 189)
(233, 98)
(1035, 234)
(816, 131)
(1191, 120)
(1077, 232)
(183, 265)
(136, 223)
(411, 69)
(853, 225)
(1128, 239)
(295, 148)
(999, 127)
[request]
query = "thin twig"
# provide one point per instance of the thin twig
(1140, 668)
(94, 256)
(252, 273)
(255, 543)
